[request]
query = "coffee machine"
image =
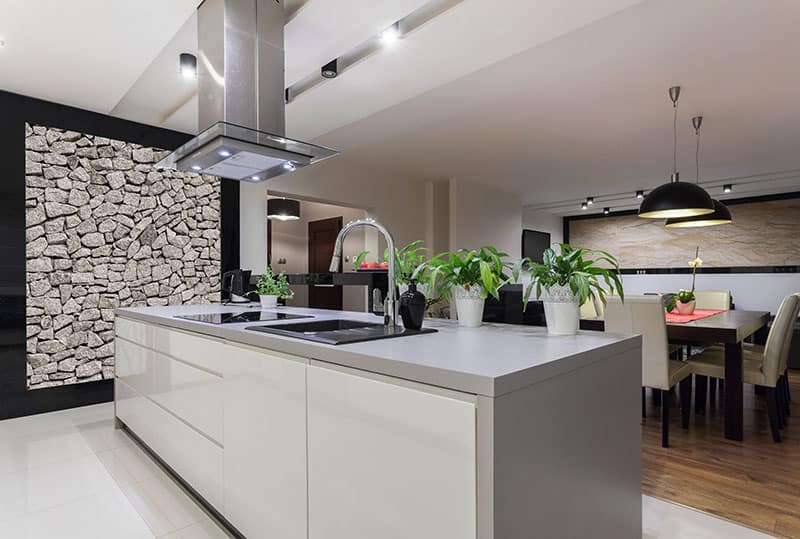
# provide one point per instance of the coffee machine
(236, 283)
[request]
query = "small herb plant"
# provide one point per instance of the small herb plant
(270, 284)
(485, 267)
(575, 267)
(685, 296)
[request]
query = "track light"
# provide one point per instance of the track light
(639, 194)
(590, 200)
(606, 211)
(188, 63)
(584, 205)
(331, 69)
(391, 34)
(727, 188)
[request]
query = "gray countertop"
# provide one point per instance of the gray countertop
(490, 360)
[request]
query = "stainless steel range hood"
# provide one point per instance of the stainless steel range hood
(240, 77)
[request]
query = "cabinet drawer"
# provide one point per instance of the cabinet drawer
(195, 458)
(192, 394)
(203, 352)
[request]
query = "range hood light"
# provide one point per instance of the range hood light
(224, 153)
(289, 166)
(197, 167)
(255, 178)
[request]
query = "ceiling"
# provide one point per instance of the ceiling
(552, 100)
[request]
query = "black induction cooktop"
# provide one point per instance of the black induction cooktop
(238, 318)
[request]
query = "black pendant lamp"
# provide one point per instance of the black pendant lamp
(721, 214)
(283, 209)
(676, 198)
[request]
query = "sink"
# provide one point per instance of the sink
(338, 331)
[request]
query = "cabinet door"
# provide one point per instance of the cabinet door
(388, 460)
(265, 443)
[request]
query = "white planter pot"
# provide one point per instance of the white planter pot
(469, 306)
(268, 302)
(561, 310)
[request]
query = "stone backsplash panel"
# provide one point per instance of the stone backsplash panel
(762, 234)
(106, 229)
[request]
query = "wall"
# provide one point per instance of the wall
(105, 230)
(290, 241)
(762, 234)
(544, 222)
(482, 215)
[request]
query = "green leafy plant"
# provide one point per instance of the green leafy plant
(575, 267)
(485, 267)
(359, 259)
(270, 284)
(408, 262)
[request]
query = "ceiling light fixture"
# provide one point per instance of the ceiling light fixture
(197, 167)
(255, 178)
(391, 34)
(590, 200)
(639, 194)
(676, 198)
(727, 188)
(331, 69)
(224, 153)
(283, 209)
(721, 215)
(584, 205)
(188, 63)
(606, 211)
(289, 166)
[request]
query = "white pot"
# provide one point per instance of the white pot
(469, 306)
(268, 302)
(561, 310)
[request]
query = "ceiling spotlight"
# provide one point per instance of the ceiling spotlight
(606, 211)
(727, 188)
(639, 194)
(197, 167)
(224, 153)
(188, 63)
(331, 69)
(289, 166)
(590, 200)
(391, 34)
(584, 205)
(2, 43)
(255, 178)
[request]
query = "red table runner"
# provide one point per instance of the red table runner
(674, 317)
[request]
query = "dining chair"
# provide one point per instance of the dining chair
(764, 366)
(593, 308)
(718, 300)
(645, 315)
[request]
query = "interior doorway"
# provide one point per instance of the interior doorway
(321, 240)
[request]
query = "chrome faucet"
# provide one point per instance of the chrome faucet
(390, 304)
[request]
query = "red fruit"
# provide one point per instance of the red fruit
(373, 265)
(384, 265)
(363, 265)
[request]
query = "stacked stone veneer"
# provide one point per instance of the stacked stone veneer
(105, 229)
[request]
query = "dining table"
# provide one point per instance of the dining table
(729, 328)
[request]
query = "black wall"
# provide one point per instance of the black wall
(15, 111)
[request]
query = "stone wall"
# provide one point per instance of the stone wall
(105, 229)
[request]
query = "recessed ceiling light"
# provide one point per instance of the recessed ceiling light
(391, 34)
(584, 205)
(188, 63)
(289, 166)
(255, 178)
(197, 167)
(590, 200)
(224, 153)
(606, 211)
(639, 194)
(727, 188)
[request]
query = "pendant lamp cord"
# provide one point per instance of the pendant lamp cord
(697, 157)
(675, 138)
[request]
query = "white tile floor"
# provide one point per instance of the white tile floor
(70, 475)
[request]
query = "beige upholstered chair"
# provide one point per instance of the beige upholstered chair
(645, 315)
(712, 299)
(593, 308)
(764, 366)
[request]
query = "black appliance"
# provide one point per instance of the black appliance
(236, 283)
(238, 318)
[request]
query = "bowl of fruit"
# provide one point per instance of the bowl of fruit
(362, 264)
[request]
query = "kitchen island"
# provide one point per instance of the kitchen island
(496, 432)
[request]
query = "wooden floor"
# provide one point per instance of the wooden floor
(755, 482)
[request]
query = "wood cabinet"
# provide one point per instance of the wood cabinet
(388, 458)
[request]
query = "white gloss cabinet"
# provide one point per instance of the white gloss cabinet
(388, 459)
(265, 443)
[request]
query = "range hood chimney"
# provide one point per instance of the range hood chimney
(240, 79)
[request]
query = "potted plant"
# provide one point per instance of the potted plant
(566, 281)
(684, 300)
(468, 276)
(271, 287)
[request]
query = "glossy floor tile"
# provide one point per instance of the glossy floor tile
(70, 474)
